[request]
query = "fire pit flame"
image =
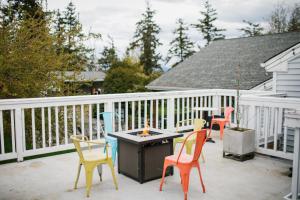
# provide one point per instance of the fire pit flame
(146, 130)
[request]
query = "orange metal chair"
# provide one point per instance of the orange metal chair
(186, 162)
(222, 121)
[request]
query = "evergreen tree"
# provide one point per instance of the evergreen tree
(252, 29)
(80, 55)
(108, 56)
(145, 38)
(278, 20)
(206, 25)
(294, 21)
(181, 45)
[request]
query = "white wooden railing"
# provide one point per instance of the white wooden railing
(36, 126)
(267, 115)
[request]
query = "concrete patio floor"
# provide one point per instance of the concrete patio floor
(262, 178)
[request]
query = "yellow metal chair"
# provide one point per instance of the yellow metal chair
(198, 125)
(90, 159)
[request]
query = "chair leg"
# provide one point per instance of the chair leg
(111, 166)
(185, 182)
(99, 167)
(163, 176)
(202, 184)
(78, 173)
(114, 149)
(202, 155)
(189, 146)
(89, 169)
(221, 130)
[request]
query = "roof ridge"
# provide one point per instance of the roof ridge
(268, 34)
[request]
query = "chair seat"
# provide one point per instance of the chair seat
(94, 155)
(184, 158)
(220, 120)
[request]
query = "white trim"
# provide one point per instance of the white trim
(279, 63)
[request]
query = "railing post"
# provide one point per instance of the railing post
(215, 104)
(251, 117)
(19, 134)
(170, 114)
(109, 107)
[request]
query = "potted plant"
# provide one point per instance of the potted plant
(239, 143)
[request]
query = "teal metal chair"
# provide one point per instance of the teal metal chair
(108, 128)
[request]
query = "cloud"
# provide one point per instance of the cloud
(118, 17)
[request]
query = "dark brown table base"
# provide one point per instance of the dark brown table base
(143, 162)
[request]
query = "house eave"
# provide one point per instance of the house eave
(279, 63)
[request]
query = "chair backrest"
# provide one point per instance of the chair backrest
(77, 139)
(200, 140)
(199, 124)
(108, 122)
(228, 111)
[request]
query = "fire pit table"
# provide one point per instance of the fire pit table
(141, 157)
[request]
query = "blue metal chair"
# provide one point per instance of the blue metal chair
(108, 128)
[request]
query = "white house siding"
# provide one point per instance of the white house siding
(289, 82)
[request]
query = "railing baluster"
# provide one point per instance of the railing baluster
(275, 128)
(145, 112)
(43, 127)
(156, 116)
(82, 119)
(56, 126)
(197, 105)
(132, 115)
(90, 122)
(98, 121)
(183, 110)
(192, 108)
(49, 127)
(2, 133)
(209, 103)
(188, 110)
(66, 124)
(126, 115)
(33, 128)
(139, 114)
(119, 116)
(266, 124)
(74, 119)
(285, 139)
(24, 132)
(12, 126)
(257, 126)
(162, 114)
(151, 113)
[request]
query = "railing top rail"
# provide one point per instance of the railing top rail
(269, 101)
(87, 99)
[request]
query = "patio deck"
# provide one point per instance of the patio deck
(262, 178)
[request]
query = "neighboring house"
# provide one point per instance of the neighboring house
(285, 67)
(216, 66)
(91, 82)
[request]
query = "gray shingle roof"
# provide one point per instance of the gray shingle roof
(215, 66)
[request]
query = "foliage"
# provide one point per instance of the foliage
(108, 56)
(124, 76)
(278, 19)
(27, 58)
(181, 46)
(145, 38)
(71, 39)
(206, 25)
(252, 29)
(294, 22)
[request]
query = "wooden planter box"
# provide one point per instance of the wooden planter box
(239, 145)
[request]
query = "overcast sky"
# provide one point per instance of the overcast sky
(118, 17)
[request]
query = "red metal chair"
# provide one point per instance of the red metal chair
(186, 162)
(222, 121)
